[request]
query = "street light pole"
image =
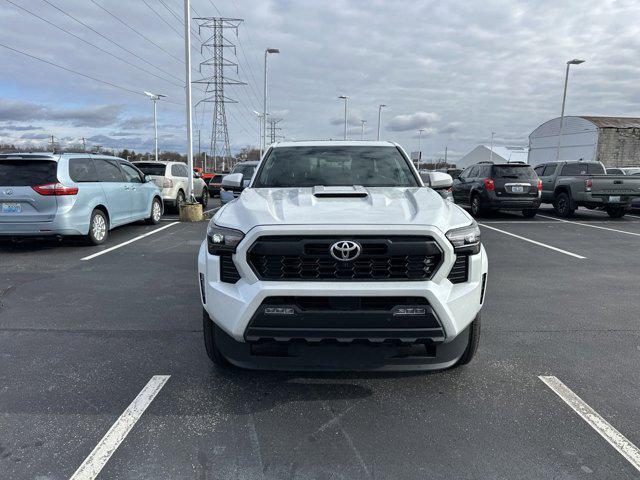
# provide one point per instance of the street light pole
(260, 117)
(345, 98)
(154, 98)
(187, 66)
(380, 107)
(491, 154)
(419, 147)
(362, 132)
(575, 61)
(263, 145)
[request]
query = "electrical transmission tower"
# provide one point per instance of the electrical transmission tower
(215, 45)
(274, 129)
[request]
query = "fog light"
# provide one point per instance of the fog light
(409, 311)
(279, 311)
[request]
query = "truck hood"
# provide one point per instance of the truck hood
(378, 206)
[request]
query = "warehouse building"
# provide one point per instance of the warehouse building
(483, 153)
(614, 141)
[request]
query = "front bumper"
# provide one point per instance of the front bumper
(232, 306)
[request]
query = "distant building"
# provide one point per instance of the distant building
(614, 141)
(482, 153)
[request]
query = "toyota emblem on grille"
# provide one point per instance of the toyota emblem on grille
(345, 250)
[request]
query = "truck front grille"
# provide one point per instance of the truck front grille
(308, 258)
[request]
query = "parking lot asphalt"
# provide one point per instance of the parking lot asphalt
(80, 339)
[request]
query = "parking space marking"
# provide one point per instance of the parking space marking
(115, 247)
(618, 441)
(550, 247)
(107, 446)
(592, 226)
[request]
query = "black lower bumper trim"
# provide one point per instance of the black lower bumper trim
(333, 355)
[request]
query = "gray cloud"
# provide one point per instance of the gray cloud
(89, 116)
(452, 127)
(34, 136)
(137, 123)
(413, 121)
(21, 128)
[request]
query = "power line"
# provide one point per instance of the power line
(110, 40)
(92, 44)
(164, 20)
(137, 32)
(73, 71)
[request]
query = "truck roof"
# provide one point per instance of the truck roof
(335, 143)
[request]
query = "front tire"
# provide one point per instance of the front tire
(210, 345)
(616, 212)
(563, 206)
(180, 199)
(472, 343)
(530, 212)
(156, 212)
(98, 228)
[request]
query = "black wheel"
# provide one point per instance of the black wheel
(616, 212)
(210, 341)
(180, 199)
(476, 206)
(205, 198)
(98, 227)
(472, 343)
(156, 212)
(563, 206)
(529, 213)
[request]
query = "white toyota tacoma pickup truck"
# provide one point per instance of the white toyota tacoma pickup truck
(337, 257)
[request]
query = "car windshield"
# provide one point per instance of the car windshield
(152, 168)
(15, 173)
(524, 172)
(369, 166)
(246, 170)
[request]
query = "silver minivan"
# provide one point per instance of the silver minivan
(73, 194)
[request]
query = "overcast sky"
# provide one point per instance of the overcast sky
(459, 70)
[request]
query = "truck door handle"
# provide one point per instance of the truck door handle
(126, 187)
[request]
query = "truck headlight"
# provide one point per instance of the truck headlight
(221, 239)
(465, 240)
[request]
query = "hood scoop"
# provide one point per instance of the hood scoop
(339, 192)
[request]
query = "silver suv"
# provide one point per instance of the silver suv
(73, 194)
(171, 178)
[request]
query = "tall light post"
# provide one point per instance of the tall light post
(187, 67)
(380, 107)
(264, 99)
(491, 154)
(345, 98)
(154, 98)
(419, 147)
(575, 61)
(260, 117)
(362, 132)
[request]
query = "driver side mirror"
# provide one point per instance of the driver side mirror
(233, 182)
(439, 180)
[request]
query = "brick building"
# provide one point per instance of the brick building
(614, 141)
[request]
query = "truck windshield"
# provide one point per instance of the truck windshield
(246, 170)
(369, 166)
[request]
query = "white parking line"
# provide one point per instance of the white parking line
(115, 247)
(107, 446)
(592, 226)
(212, 210)
(618, 441)
(550, 247)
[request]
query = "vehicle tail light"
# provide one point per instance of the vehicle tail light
(488, 182)
(167, 183)
(588, 183)
(55, 189)
(539, 185)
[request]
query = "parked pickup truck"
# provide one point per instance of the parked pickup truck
(336, 256)
(572, 184)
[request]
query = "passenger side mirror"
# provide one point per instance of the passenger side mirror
(147, 179)
(439, 180)
(233, 181)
